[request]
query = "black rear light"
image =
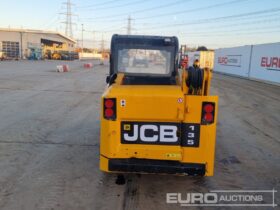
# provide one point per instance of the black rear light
(110, 108)
(208, 113)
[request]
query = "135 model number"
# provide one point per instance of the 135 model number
(190, 135)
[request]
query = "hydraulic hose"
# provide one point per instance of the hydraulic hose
(194, 80)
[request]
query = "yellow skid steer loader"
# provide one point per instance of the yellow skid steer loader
(154, 118)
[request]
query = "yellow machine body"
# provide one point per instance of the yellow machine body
(151, 109)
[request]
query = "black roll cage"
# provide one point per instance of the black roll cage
(144, 42)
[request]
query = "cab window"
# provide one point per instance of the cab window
(144, 61)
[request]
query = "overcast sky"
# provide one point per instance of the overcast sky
(216, 23)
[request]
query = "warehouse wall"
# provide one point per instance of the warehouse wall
(34, 39)
(9, 36)
(260, 62)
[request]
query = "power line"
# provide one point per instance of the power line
(112, 17)
(235, 19)
(209, 20)
(254, 17)
(226, 18)
(89, 40)
(54, 18)
(93, 36)
(52, 21)
(117, 6)
(209, 29)
(255, 33)
(194, 10)
(145, 10)
(201, 21)
(94, 31)
(235, 22)
(104, 31)
(101, 4)
(231, 31)
(241, 18)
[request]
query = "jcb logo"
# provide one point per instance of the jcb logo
(144, 133)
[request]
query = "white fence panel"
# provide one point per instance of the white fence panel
(234, 60)
(265, 63)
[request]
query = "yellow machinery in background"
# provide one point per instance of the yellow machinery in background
(154, 119)
(54, 51)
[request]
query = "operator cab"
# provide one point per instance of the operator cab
(144, 60)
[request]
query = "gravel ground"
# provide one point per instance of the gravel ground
(49, 142)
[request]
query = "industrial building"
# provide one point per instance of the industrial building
(36, 44)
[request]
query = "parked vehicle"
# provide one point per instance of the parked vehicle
(152, 119)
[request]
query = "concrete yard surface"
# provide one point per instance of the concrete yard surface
(49, 142)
